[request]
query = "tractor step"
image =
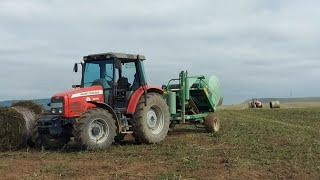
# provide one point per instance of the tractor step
(120, 110)
(126, 132)
(126, 127)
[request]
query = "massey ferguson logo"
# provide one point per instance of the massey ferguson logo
(88, 93)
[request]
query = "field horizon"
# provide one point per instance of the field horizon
(44, 101)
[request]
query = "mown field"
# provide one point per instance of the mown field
(252, 144)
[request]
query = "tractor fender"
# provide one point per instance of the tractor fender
(134, 99)
(109, 109)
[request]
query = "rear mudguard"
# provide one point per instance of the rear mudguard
(134, 99)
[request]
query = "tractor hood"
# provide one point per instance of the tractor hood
(81, 92)
(77, 100)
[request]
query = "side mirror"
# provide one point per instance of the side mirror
(75, 86)
(75, 67)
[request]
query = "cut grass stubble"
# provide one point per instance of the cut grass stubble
(254, 143)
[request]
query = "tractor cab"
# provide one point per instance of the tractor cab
(118, 74)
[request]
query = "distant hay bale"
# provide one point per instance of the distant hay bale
(274, 104)
(12, 129)
(32, 105)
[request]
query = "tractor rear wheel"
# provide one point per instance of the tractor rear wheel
(151, 120)
(95, 129)
(212, 123)
(47, 141)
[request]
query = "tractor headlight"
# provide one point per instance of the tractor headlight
(57, 105)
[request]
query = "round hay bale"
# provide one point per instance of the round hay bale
(274, 104)
(32, 105)
(12, 129)
(30, 119)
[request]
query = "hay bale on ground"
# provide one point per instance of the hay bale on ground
(274, 104)
(32, 105)
(16, 124)
(12, 129)
(30, 119)
(30, 111)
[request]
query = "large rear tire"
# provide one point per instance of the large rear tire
(47, 141)
(212, 123)
(151, 122)
(95, 129)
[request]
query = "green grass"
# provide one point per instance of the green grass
(266, 137)
(252, 144)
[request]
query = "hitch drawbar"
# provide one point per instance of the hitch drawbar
(53, 124)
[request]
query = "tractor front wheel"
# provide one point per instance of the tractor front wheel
(212, 123)
(151, 120)
(95, 129)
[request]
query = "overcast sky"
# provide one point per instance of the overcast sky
(258, 48)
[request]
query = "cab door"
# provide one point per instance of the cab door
(126, 83)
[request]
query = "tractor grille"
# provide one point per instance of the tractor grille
(75, 107)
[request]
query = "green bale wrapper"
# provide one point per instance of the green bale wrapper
(204, 91)
(192, 98)
(211, 84)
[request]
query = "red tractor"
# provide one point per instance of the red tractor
(112, 100)
(254, 103)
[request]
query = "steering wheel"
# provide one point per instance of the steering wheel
(109, 82)
(108, 77)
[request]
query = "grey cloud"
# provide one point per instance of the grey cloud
(253, 46)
